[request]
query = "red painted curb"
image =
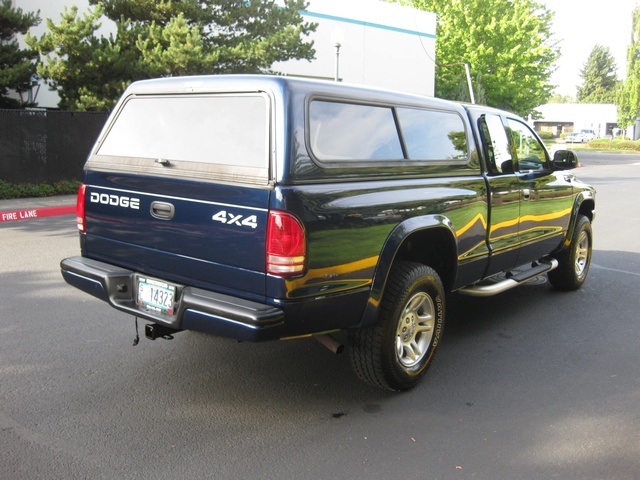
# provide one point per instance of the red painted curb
(33, 213)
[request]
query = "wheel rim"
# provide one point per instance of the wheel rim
(582, 255)
(415, 330)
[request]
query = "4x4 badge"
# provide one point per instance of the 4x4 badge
(232, 219)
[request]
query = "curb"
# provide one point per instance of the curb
(34, 213)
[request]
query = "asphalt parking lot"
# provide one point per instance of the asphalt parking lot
(530, 384)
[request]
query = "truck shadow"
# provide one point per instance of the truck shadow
(507, 327)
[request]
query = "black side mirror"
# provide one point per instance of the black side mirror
(565, 160)
(507, 167)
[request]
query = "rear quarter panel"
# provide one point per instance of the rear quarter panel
(352, 226)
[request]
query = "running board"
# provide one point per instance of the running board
(487, 290)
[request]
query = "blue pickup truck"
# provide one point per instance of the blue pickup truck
(262, 208)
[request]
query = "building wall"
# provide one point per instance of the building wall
(381, 44)
(572, 117)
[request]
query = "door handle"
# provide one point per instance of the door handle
(162, 210)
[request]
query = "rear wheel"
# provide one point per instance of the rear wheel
(395, 353)
(574, 261)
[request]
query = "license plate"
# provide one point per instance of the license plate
(156, 295)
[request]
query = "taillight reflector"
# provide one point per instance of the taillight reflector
(80, 210)
(286, 249)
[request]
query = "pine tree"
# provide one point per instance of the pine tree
(166, 38)
(599, 79)
(16, 64)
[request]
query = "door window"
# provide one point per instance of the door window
(530, 155)
(496, 144)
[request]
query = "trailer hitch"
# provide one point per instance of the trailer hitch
(154, 330)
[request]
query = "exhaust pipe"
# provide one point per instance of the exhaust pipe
(331, 343)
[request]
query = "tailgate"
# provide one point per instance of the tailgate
(206, 235)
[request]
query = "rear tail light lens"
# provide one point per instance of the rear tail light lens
(286, 245)
(80, 211)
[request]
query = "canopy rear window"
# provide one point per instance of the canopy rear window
(230, 130)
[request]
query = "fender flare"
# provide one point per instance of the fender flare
(389, 253)
(586, 198)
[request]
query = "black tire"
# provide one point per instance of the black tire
(574, 261)
(395, 353)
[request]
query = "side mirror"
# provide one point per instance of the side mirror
(507, 167)
(565, 160)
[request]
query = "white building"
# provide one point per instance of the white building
(560, 118)
(381, 44)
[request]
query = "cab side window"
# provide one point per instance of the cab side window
(528, 151)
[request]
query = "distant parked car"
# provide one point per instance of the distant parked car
(576, 137)
(589, 134)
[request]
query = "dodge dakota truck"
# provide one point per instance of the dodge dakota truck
(261, 207)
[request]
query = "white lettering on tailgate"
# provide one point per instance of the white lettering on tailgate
(115, 200)
(229, 218)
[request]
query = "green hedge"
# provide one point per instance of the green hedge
(544, 135)
(26, 190)
(607, 144)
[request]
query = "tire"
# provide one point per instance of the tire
(574, 261)
(395, 353)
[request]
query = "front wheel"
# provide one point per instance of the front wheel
(395, 353)
(574, 261)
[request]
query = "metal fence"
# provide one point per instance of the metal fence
(38, 146)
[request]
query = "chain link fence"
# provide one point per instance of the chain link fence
(46, 146)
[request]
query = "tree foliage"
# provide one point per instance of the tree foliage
(628, 98)
(599, 79)
(165, 38)
(16, 65)
(507, 42)
(559, 98)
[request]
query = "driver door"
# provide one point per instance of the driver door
(546, 197)
(504, 194)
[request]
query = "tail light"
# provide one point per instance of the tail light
(80, 210)
(286, 245)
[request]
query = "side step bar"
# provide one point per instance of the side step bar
(487, 290)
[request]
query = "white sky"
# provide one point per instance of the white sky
(579, 25)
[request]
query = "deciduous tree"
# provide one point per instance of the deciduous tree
(559, 98)
(628, 97)
(508, 45)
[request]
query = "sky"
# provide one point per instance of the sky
(578, 26)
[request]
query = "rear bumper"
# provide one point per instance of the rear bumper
(197, 309)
